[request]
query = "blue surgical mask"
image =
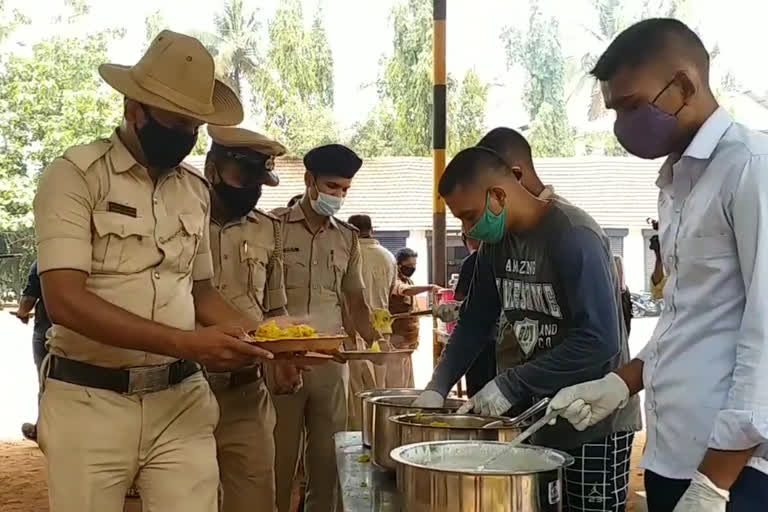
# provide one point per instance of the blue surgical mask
(326, 204)
(491, 227)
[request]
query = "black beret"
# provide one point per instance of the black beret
(332, 160)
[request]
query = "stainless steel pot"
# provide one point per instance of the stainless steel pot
(367, 406)
(418, 428)
(385, 435)
(442, 476)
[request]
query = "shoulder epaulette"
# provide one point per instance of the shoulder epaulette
(85, 155)
(346, 225)
(191, 169)
(280, 212)
(268, 215)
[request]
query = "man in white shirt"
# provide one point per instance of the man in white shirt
(705, 370)
(379, 272)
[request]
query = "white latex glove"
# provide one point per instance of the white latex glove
(702, 496)
(429, 400)
(590, 402)
(489, 401)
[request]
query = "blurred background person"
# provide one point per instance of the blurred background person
(32, 299)
(626, 298)
(658, 278)
(379, 273)
(405, 331)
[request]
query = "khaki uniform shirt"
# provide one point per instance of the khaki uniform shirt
(320, 268)
(405, 331)
(379, 273)
(248, 263)
(142, 244)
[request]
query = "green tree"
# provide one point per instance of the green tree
(373, 137)
(49, 100)
(466, 113)
(549, 135)
(294, 89)
(404, 114)
(9, 20)
(235, 44)
(537, 50)
(154, 23)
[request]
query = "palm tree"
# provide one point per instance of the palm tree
(611, 18)
(608, 24)
(235, 44)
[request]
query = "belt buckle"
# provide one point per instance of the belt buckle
(148, 379)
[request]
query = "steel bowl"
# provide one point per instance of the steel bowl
(443, 476)
(367, 406)
(385, 435)
(419, 428)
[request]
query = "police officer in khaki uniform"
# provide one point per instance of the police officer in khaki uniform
(322, 271)
(123, 254)
(248, 271)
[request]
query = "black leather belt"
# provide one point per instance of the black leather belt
(229, 380)
(142, 379)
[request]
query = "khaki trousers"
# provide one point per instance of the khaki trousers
(245, 446)
(310, 418)
(362, 377)
(97, 443)
(399, 373)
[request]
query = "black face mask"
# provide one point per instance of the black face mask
(407, 271)
(239, 201)
(163, 147)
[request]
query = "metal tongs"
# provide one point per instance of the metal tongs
(522, 437)
(525, 415)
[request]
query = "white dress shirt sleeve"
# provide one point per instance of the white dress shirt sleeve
(743, 423)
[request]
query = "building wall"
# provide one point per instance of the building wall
(634, 260)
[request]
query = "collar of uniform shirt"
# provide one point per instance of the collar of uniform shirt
(297, 215)
(702, 146)
(122, 159)
(250, 217)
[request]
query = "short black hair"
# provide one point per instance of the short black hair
(361, 222)
(468, 165)
(295, 199)
(509, 144)
(648, 40)
(404, 254)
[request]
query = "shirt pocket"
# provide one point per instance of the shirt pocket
(189, 239)
(705, 251)
(709, 261)
(296, 271)
(255, 260)
(122, 244)
(339, 261)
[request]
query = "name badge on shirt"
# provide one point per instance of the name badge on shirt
(122, 209)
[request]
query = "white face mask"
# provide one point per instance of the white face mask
(326, 204)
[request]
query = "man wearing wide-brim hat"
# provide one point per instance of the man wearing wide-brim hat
(247, 250)
(125, 264)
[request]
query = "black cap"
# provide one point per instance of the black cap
(332, 160)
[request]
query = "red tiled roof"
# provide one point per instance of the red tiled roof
(397, 192)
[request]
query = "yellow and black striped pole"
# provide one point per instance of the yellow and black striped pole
(438, 146)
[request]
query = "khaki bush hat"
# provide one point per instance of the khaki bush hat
(177, 74)
(250, 146)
